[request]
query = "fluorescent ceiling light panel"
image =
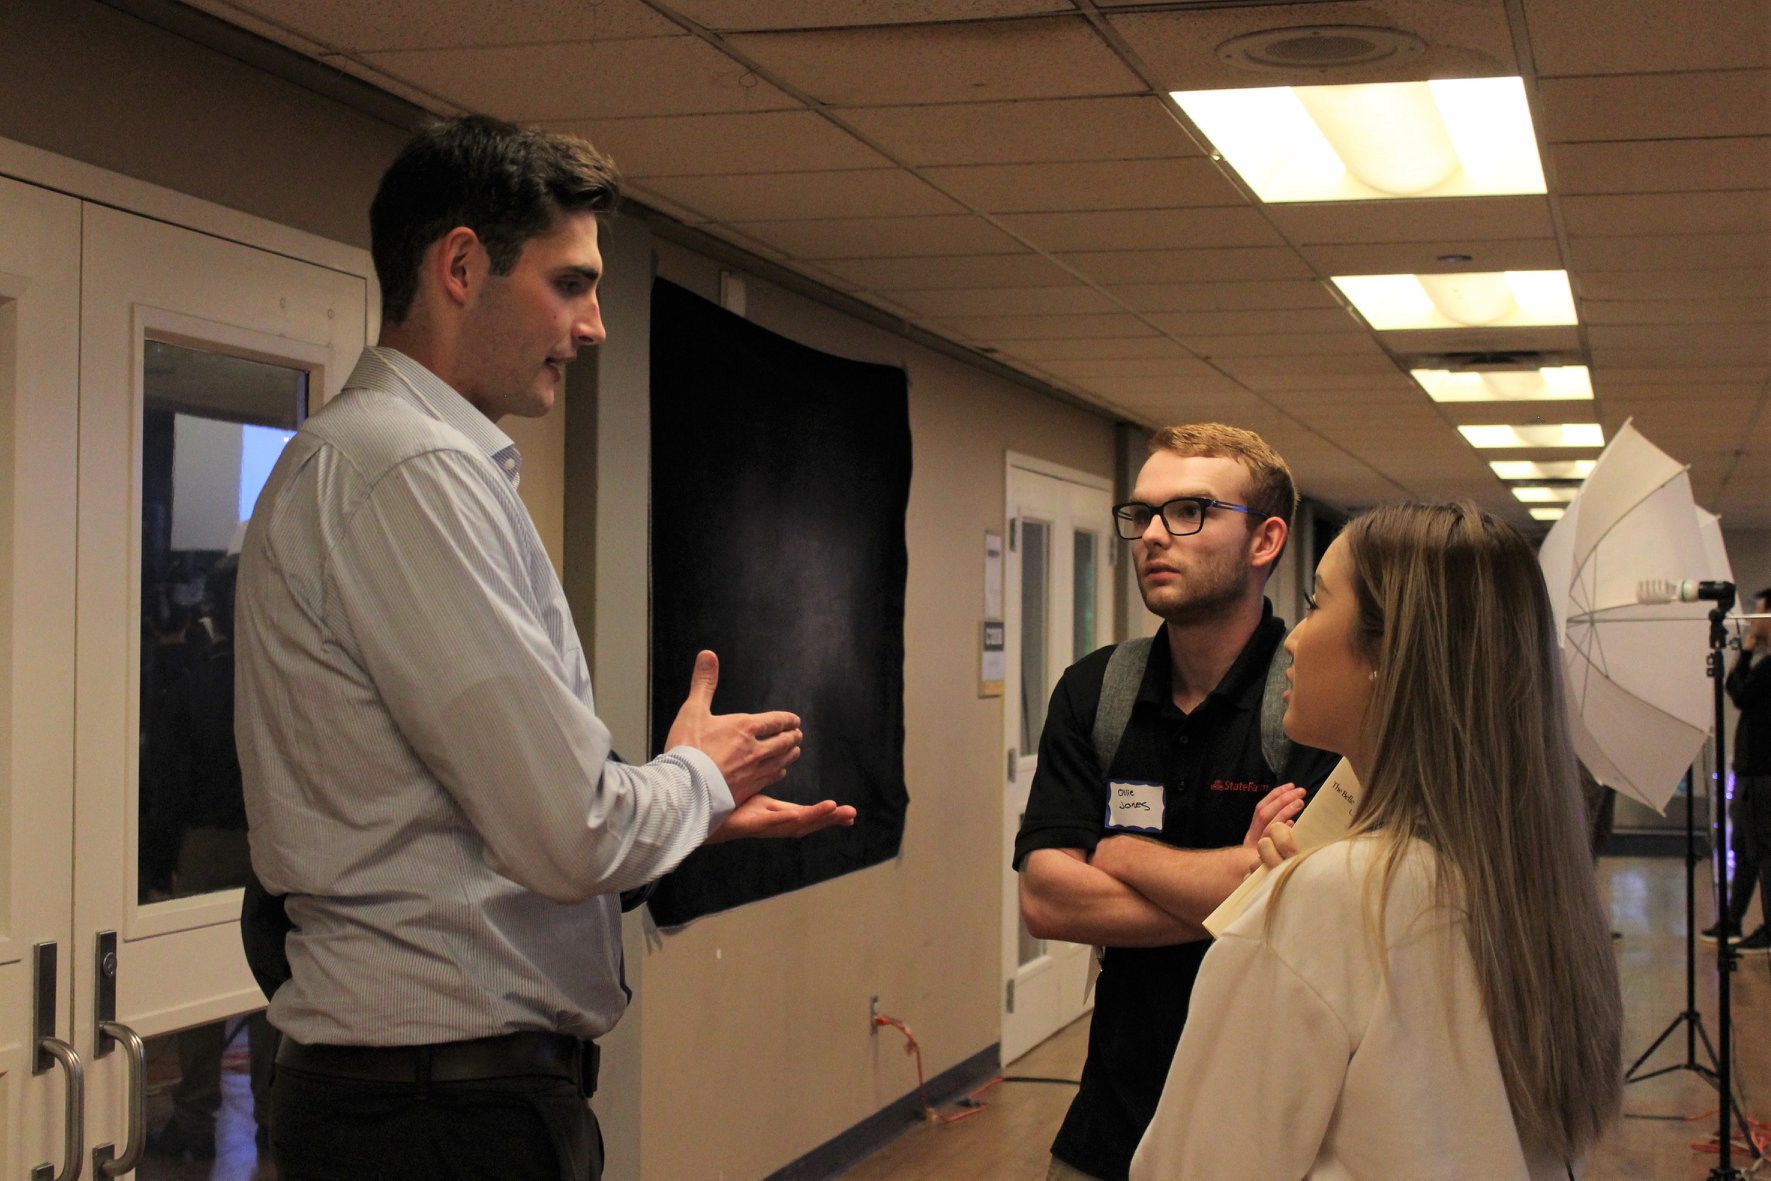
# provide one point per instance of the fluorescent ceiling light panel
(1548, 513)
(1567, 434)
(1551, 469)
(1558, 383)
(1487, 299)
(1545, 493)
(1451, 137)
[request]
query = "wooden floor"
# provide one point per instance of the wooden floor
(1009, 1140)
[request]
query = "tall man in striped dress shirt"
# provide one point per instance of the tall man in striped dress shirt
(426, 778)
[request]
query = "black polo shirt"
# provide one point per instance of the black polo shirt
(1212, 774)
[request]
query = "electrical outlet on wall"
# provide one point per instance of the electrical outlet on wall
(873, 1014)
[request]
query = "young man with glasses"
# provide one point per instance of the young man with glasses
(1160, 769)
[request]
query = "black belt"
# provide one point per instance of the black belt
(508, 1056)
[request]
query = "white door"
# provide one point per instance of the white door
(1058, 607)
(197, 356)
(39, 402)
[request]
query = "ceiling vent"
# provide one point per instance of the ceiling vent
(1490, 362)
(1319, 48)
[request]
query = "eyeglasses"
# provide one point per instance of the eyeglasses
(1182, 516)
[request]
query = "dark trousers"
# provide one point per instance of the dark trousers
(529, 1128)
(1751, 842)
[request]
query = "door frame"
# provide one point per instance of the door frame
(1062, 993)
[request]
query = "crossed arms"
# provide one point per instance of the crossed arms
(1134, 892)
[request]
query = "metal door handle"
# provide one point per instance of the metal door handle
(105, 1162)
(73, 1113)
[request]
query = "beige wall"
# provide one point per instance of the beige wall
(753, 1042)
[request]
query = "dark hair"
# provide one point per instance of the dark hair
(1764, 594)
(506, 183)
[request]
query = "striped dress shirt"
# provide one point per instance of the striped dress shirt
(425, 774)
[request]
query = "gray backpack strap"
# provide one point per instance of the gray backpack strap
(1119, 688)
(1275, 746)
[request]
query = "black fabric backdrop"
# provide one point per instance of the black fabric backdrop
(780, 477)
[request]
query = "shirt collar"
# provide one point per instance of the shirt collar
(384, 368)
(1244, 683)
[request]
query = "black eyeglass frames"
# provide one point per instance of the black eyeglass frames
(1182, 516)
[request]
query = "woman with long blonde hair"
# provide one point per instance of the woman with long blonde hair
(1434, 996)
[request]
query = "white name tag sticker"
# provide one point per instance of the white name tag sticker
(1134, 805)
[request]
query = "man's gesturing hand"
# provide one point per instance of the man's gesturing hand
(752, 751)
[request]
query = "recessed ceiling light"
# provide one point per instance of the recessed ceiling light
(1549, 469)
(1548, 513)
(1486, 299)
(1451, 137)
(1546, 493)
(1558, 383)
(1566, 434)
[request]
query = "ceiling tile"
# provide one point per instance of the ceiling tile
(1709, 340)
(1064, 348)
(1655, 106)
(1006, 301)
(1458, 219)
(1230, 298)
(1089, 368)
(733, 145)
(1415, 258)
(1662, 166)
(873, 192)
(1188, 266)
(1114, 184)
(1146, 229)
(729, 15)
(1738, 211)
(1319, 366)
(1698, 372)
(1720, 283)
(1180, 399)
(1464, 40)
(1043, 57)
(1689, 311)
(440, 24)
(952, 272)
(1677, 252)
(1302, 322)
(1286, 344)
(612, 79)
(883, 237)
(1028, 132)
(1010, 328)
(1644, 36)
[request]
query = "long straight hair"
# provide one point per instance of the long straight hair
(1470, 753)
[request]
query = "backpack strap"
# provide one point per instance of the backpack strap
(1119, 688)
(1125, 673)
(1275, 746)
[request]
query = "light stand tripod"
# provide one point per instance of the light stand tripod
(1720, 1074)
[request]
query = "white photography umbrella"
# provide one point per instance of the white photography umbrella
(1639, 698)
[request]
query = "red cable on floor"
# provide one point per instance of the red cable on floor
(970, 1102)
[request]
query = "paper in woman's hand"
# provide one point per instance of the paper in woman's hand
(1329, 817)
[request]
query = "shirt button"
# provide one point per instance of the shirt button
(1183, 740)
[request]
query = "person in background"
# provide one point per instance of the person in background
(1434, 995)
(1749, 687)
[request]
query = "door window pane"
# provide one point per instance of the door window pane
(1035, 564)
(1083, 600)
(213, 426)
